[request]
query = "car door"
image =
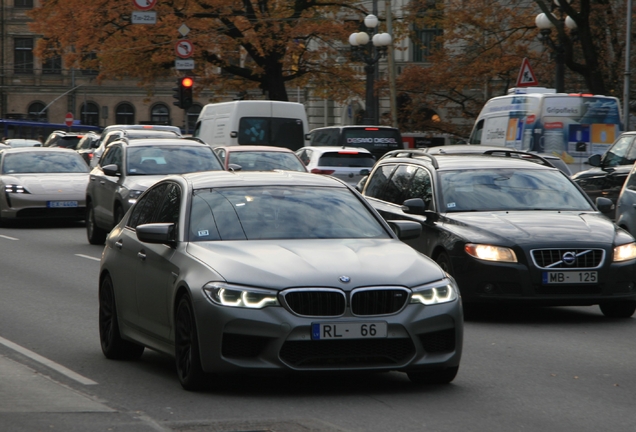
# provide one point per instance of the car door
(156, 274)
(103, 187)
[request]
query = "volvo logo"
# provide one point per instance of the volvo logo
(345, 279)
(569, 258)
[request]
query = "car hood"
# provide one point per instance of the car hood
(530, 227)
(142, 182)
(49, 183)
(287, 263)
(599, 172)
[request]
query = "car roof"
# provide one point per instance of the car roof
(450, 162)
(21, 140)
(141, 127)
(254, 148)
(326, 149)
(161, 142)
(211, 179)
(38, 149)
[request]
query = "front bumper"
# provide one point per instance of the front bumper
(36, 206)
(274, 339)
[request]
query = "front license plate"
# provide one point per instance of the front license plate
(367, 330)
(58, 204)
(576, 277)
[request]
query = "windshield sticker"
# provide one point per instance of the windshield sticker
(203, 233)
(451, 205)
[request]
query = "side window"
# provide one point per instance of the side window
(398, 185)
(421, 187)
(631, 181)
(112, 156)
(378, 181)
(616, 155)
(305, 156)
(475, 138)
(169, 210)
(631, 154)
(148, 206)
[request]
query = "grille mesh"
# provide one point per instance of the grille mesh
(439, 341)
(553, 258)
(378, 301)
(316, 303)
(343, 353)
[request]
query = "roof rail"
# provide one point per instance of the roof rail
(533, 157)
(409, 153)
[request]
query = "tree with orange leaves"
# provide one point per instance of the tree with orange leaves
(238, 44)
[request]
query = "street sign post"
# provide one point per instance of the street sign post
(69, 119)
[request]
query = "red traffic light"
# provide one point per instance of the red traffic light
(187, 82)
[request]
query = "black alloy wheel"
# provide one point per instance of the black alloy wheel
(187, 355)
(113, 346)
(95, 234)
(443, 260)
(119, 214)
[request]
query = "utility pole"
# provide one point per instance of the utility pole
(391, 65)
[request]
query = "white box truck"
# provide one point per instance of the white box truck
(253, 122)
(571, 126)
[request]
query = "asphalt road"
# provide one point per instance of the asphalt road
(565, 369)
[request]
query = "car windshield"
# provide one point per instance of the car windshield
(507, 189)
(43, 162)
(277, 212)
(163, 160)
(265, 161)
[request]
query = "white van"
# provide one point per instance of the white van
(570, 126)
(253, 122)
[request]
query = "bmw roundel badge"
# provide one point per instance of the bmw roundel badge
(345, 279)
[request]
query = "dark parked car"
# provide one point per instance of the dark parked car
(87, 145)
(610, 170)
(378, 140)
(128, 168)
(235, 272)
(63, 139)
(259, 158)
(509, 230)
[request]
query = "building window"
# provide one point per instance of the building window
(125, 114)
(92, 60)
(52, 65)
(160, 115)
(23, 56)
(426, 41)
(89, 114)
(23, 3)
(192, 116)
(35, 112)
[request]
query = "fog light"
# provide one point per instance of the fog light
(489, 288)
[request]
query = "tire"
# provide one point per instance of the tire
(624, 309)
(95, 234)
(434, 376)
(186, 346)
(113, 346)
(443, 260)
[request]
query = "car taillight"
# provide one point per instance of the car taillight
(373, 129)
(90, 156)
(347, 152)
(321, 171)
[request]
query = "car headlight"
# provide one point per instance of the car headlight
(225, 294)
(13, 188)
(625, 252)
(133, 195)
(490, 252)
(443, 291)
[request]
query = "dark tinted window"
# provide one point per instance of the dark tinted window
(396, 188)
(618, 153)
(171, 160)
(112, 156)
(421, 187)
(146, 208)
(261, 213)
(68, 141)
(378, 181)
(265, 161)
(378, 141)
(347, 159)
(280, 132)
(169, 210)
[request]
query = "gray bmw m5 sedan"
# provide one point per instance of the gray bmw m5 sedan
(233, 272)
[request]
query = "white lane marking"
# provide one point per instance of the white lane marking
(8, 238)
(88, 257)
(46, 362)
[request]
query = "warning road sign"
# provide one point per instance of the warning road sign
(526, 77)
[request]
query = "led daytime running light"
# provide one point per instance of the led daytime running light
(236, 296)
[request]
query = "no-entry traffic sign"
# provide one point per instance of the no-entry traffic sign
(69, 119)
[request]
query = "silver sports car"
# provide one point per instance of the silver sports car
(40, 182)
(274, 271)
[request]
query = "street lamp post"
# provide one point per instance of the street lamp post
(558, 48)
(369, 47)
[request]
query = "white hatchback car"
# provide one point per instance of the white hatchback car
(349, 164)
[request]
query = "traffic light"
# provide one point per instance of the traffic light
(183, 92)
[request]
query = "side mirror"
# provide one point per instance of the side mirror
(365, 172)
(414, 206)
(594, 160)
(405, 230)
(307, 137)
(110, 170)
(158, 233)
(604, 205)
(234, 167)
(360, 185)
(233, 134)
